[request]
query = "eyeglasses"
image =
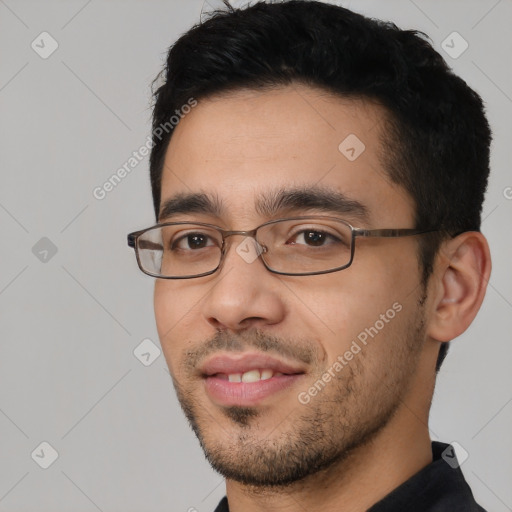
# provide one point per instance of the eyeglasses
(298, 246)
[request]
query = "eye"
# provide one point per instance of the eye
(313, 238)
(192, 241)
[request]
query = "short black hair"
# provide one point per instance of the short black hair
(435, 140)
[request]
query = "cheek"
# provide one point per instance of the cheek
(364, 303)
(163, 309)
(164, 321)
(173, 305)
(173, 316)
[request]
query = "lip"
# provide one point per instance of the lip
(225, 393)
(242, 363)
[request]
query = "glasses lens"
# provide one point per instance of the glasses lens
(293, 246)
(302, 246)
(179, 250)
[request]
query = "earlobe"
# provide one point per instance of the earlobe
(463, 270)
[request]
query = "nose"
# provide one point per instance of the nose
(244, 293)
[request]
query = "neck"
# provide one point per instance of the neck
(365, 476)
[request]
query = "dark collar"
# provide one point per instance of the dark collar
(438, 487)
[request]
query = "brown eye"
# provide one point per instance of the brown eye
(192, 241)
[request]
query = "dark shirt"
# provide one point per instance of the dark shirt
(438, 487)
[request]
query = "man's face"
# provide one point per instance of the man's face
(292, 330)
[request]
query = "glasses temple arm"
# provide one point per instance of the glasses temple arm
(391, 233)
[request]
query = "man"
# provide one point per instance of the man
(318, 179)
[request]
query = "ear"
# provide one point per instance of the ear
(462, 271)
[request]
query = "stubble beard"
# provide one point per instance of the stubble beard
(346, 415)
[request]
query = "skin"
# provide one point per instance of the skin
(370, 423)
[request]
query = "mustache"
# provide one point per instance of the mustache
(294, 349)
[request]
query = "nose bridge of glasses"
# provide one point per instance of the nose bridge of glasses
(251, 233)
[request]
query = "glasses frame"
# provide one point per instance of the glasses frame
(132, 240)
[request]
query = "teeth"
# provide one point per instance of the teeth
(266, 374)
(252, 375)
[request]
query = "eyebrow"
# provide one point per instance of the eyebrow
(269, 204)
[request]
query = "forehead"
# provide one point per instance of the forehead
(242, 146)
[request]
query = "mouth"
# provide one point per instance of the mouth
(247, 379)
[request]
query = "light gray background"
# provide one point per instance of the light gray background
(69, 325)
